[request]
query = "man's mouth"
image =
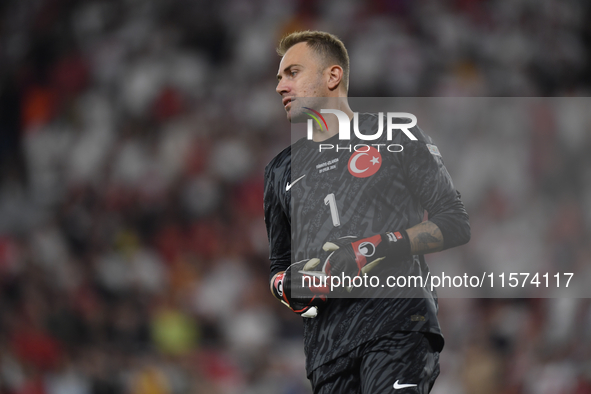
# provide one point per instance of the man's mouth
(287, 100)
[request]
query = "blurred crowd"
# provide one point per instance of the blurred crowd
(133, 138)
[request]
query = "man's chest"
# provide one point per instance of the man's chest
(339, 183)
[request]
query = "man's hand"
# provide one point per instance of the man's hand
(287, 287)
(352, 256)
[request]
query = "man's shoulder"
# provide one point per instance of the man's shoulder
(281, 160)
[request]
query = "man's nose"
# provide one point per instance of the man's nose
(282, 87)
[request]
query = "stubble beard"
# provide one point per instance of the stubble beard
(299, 114)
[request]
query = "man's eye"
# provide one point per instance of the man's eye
(293, 73)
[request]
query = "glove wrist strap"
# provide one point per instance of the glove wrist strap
(398, 244)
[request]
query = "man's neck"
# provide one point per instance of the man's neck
(332, 122)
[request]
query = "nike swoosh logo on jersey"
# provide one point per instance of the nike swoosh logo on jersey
(288, 186)
(402, 386)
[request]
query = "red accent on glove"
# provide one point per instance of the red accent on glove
(361, 259)
(279, 289)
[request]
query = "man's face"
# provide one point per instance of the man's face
(300, 75)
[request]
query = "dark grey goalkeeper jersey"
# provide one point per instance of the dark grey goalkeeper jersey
(312, 197)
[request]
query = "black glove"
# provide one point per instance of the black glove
(303, 300)
(352, 256)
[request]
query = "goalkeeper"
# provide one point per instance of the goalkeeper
(362, 213)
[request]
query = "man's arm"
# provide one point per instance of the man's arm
(429, 182)
(277, 224)
(425, 238)
(283, 274)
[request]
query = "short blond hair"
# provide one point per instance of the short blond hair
(328, 46)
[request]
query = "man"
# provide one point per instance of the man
(332, 217)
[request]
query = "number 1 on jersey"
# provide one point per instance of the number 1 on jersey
(331, 201)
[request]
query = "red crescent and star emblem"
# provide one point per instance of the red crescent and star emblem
(363, 164)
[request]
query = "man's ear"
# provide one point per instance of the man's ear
(335, 76)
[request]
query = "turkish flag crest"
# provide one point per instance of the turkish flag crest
(365, 162)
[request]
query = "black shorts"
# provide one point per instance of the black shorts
(400, 363)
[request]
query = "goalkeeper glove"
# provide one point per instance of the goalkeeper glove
(352, 256)
(303, 300)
